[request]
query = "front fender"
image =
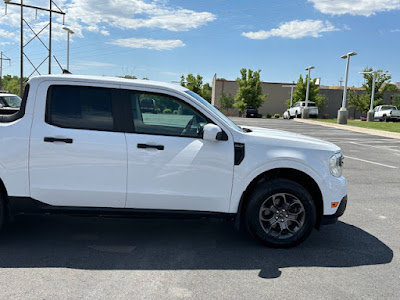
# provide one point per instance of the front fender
(242, 179)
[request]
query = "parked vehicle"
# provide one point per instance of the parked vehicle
(286, 115)
(250, 112)
(386, 113)
(297, 109)
(148, 105)
(82, 145)
(9, 103)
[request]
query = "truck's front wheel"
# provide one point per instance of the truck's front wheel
(280, 213)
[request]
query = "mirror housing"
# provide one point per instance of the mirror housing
(211, 132)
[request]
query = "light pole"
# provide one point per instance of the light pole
(291, 86)
(305, 112)
(69, 31)
(343, 113)
(370, 115)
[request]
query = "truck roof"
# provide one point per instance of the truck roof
(109, 80)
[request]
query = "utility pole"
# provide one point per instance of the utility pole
(340, 81)
(371, 113)
(2, 57)
(36, 35)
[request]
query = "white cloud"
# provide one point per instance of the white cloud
(134, 14)
(170, 73)
(148, 43)
(90, 15)
(8, 35)
(294, 30)
(395, 30)
(355, 7)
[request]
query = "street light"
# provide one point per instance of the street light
(69, 32)
(291, 86)
(305, 112)
(370, 115)
(343, 113)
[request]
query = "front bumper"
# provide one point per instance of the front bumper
(332, 219)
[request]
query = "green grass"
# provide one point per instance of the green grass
(389, 126)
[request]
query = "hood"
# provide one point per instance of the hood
(289, 139)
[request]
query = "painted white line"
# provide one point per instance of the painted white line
(370, 162)
(373, 146)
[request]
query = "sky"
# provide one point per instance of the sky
(163, 39)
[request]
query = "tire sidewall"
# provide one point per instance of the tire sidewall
(261, 193)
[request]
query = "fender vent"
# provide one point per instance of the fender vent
(239, 153)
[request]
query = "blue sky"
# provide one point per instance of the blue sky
(163, 39)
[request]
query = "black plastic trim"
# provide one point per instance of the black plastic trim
(239, 153)
(29, 206)
(332, 219)
(18, 115)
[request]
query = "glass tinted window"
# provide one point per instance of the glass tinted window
(10, 101)
(165, 115)
(80, 107)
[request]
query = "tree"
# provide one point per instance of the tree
(226, 101)
(12, 84)
(195, 84)
(396, 101)
(128, 77)
(300, 93)
(382, 84)
(250, 92)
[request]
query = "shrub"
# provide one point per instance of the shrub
(175, 112)
(277, 116)
(259, 116)
(167, 111)
(269, 116)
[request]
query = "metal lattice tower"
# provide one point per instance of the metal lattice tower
(36, 36)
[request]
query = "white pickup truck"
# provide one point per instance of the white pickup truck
(297, 109)
(386, 113)
(84, 145)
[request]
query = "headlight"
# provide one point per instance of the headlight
(335, 164)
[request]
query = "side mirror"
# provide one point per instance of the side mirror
(211, 132)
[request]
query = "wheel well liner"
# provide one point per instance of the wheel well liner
(291, 174)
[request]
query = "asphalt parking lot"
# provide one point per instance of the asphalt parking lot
(92, 258)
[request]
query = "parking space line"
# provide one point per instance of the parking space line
(371, 162)
(373, 146)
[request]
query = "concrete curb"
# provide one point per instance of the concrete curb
(388, 134)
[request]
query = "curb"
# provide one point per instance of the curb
(388, 134)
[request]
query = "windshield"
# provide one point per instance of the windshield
(10, 101)
(388, 107)
(216, 111)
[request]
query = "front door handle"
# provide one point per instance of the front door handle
(144, 146)
(53, 139)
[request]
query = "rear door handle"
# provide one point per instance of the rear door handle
(53, 139)
(144, 146)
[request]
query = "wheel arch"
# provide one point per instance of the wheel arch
(295, 175)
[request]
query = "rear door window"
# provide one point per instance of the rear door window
(80, 107)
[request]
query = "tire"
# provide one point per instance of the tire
(297, 213)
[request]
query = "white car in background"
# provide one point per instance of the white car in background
(386, 113)
(286, 114)
(297, 109)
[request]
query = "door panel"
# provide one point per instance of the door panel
(169, 165)
(77, 167)
(189, 174)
